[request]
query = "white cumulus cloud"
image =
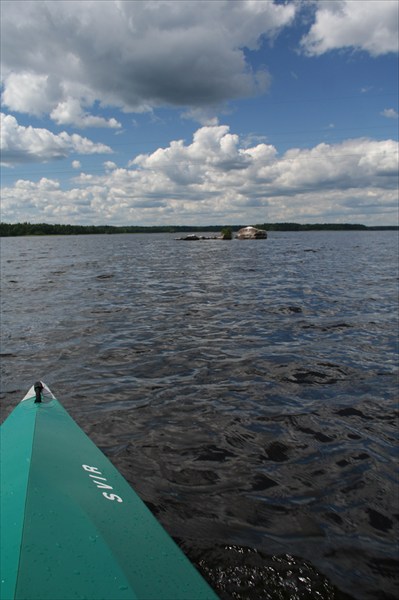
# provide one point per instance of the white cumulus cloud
(31, 93)
(61, 57)
(390, 113)
(21, 144)
(217, 178)
(70, 112)
(371, 26)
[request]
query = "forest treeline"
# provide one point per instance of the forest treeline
(16, 229)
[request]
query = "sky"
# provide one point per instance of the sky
(219, 112)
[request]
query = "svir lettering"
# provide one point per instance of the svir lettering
(101, 483)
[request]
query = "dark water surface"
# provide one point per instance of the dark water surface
(246, 389)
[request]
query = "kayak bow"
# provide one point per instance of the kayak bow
(71, 526)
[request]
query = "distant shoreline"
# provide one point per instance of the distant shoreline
(24, 229)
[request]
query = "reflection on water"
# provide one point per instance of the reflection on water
(245, 389)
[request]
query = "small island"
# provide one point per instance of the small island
(245, 233)
(225, 234)
(193, 237)
(251, 233)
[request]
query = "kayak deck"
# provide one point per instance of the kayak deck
(71, 526)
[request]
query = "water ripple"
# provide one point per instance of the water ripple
(246, 390)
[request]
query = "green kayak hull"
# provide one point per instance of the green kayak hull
(71, 526)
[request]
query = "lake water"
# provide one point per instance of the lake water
(246, 389)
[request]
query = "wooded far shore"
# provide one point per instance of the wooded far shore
(18, 229)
